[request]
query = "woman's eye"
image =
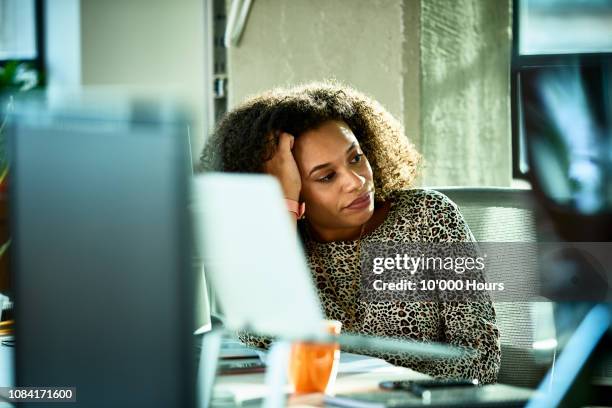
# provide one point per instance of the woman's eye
(357, 158)
(328, 177)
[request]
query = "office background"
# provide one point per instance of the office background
(443, 68)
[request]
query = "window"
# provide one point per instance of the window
(21, 31)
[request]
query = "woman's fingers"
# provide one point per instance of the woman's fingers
(285, 141)
(282, 165)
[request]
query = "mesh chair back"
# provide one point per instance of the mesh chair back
(507, 215)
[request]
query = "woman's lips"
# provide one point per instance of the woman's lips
(361, 202)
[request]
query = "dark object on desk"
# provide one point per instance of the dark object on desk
(102, 251)
(230, 357)
(234, 357)
(419, 387)
(234, 349)
(496, 395)
(241, 366)
(230, 348)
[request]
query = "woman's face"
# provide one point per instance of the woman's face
(337, 181)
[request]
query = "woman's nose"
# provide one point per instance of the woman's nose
(354, 181)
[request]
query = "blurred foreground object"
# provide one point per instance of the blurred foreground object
(102, 249)
(566, 114)
(566, 119)
(313, 367)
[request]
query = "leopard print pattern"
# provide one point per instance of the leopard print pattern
(415, 216)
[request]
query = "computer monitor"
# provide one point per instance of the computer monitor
(102, 251)
(565, 122)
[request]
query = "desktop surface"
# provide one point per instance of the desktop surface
(359, 377)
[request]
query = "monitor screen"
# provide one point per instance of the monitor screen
(564, 114)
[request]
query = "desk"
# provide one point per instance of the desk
(355, 374)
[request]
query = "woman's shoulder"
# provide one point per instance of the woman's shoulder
(435, 215)
(419, 198)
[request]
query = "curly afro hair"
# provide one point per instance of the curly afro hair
(247, 136)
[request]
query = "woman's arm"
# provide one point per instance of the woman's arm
(479, 338)
(469, 326)
(282, 165)
(466, 321)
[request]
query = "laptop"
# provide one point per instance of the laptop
(102, 251)
(252, 256)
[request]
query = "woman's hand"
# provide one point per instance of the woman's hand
(283, 166)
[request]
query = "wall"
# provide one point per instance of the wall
(465, 85)
(149, 46)
(288, 42)
(154, 45)
(439, 66)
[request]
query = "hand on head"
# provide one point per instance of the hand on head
(283, 166)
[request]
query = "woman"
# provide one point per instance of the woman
(343, 158)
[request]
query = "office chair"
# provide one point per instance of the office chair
(508, 215)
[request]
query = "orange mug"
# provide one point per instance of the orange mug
(313, 367)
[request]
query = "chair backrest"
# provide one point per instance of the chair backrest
(507, 215)
(496, 214)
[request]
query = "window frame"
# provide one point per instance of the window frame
(39, 23)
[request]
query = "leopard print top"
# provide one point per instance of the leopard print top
(414, 216)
